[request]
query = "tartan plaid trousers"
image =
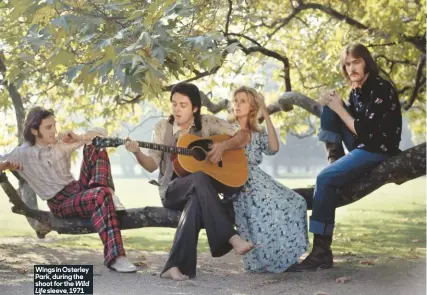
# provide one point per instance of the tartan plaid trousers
(90, 196)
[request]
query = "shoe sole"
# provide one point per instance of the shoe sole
(128, 271)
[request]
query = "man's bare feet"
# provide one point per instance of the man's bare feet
(240, 246)
(175, 274)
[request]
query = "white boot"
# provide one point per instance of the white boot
(122, 264)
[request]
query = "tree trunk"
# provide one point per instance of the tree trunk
(27, 193)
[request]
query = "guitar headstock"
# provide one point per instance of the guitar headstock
(103, 142)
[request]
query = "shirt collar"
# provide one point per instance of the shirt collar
(369, 82)
(176, 128)
(366, 86)
(38, 150)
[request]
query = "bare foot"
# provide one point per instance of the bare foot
(240, 246)
(175, 274)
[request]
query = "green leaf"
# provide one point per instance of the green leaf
(144, 39)
(62, 58)
(110, 54)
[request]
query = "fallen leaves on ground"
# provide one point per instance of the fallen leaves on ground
(368, 262)
(343, 280)
(22, 271)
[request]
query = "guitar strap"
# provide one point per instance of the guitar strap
(166, 167)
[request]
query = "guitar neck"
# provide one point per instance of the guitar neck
(165, 148)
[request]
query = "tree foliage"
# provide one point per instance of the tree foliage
(99, 58)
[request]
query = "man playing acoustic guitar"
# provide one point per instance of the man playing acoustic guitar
(195, 194)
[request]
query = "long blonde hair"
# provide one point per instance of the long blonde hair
(251, 93)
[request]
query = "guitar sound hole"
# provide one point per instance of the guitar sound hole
(198, 154)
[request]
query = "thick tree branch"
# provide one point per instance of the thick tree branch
(211, 106)
(285, 103)
(298, 99)
(406, 166)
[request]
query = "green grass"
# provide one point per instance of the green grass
(391, 222)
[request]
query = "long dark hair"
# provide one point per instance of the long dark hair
(33, 120)
(192, 92)
(359, 51)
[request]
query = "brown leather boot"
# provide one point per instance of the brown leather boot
(334, 151)
(320, 256)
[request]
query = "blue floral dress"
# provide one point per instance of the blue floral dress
(270, 215)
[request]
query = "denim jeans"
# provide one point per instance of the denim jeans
(346, 169)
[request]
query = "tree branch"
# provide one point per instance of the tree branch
(302, 79)
(310, 132)
(230, 9)
(381, 45)
(211, 106)
(418, 41)
(270, 53)
(418, 83)
(245, 37)
(285, 103)
(406, 166)
(283, 22)
(83, 12)
(16, 100)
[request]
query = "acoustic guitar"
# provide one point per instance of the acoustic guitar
(190, 155)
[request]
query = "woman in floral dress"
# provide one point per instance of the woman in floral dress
(269, 214)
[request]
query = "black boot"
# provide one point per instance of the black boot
(320, 256)
(334, 151)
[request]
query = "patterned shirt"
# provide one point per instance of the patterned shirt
(378, 119)
(46, 169)
(211, 125)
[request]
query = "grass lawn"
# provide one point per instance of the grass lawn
(389, 223)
